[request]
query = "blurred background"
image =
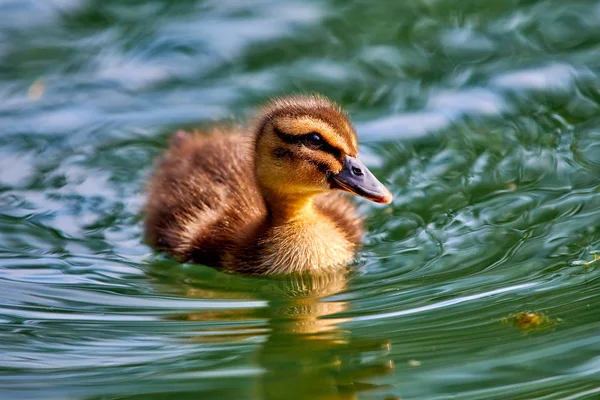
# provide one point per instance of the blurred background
(479, 282)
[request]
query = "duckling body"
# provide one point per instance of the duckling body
(260, 201)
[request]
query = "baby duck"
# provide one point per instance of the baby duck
(264, 203)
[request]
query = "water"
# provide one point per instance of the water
(482, 117)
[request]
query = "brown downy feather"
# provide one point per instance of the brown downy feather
(205, 204)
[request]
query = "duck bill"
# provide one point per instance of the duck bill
(357, 179)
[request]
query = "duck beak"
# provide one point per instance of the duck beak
(357, 179)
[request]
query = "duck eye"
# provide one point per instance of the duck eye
(314, 140)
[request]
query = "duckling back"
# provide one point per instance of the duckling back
(202, 195)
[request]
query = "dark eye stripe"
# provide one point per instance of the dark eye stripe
(282, 152)
(334, 151)
(290, 139)
(297, 139)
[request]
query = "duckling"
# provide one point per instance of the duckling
(268, 201)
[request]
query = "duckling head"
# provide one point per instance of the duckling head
(306, 145)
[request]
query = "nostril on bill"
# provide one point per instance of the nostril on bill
(356, 171)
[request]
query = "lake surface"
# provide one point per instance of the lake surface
(476, 283)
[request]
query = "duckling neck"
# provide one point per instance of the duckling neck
(286, 209)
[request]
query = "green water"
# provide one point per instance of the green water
(483, 118)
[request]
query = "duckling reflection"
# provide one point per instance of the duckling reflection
(306, 354)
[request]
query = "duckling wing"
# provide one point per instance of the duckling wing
(202, 194)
